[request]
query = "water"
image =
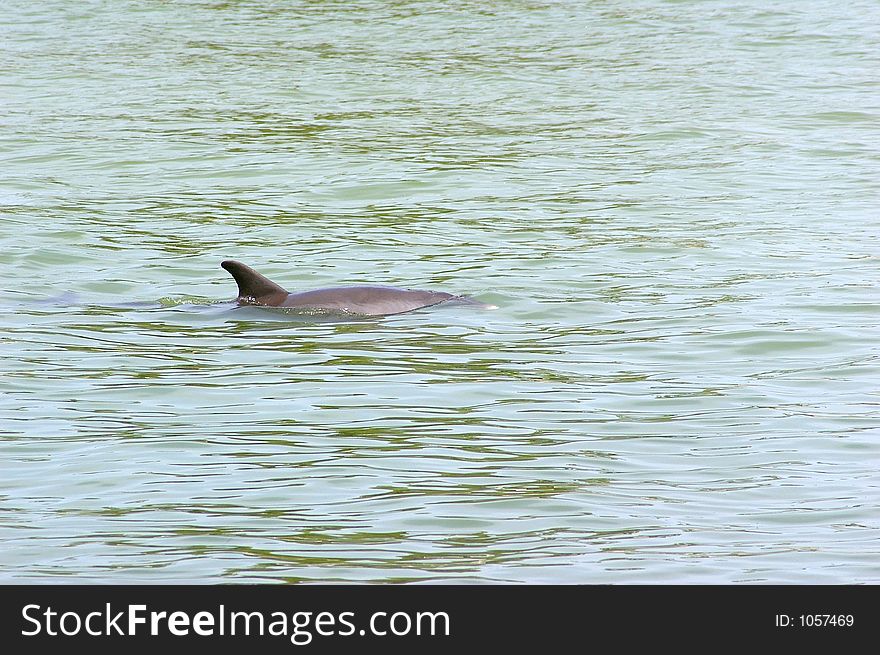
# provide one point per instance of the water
(673, 204)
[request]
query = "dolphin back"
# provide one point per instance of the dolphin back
(366, 300)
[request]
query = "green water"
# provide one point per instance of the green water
(673, 204)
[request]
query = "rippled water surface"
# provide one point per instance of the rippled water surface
(673, 204)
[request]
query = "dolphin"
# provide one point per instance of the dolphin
(256, 289)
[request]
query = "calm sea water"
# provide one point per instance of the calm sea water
(673, 204)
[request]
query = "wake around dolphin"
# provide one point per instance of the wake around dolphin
(256, 289)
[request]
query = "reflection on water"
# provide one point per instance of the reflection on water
(671, 204)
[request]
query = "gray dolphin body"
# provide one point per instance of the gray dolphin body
(256, 289)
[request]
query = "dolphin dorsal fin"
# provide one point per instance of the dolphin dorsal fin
(250, 283)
